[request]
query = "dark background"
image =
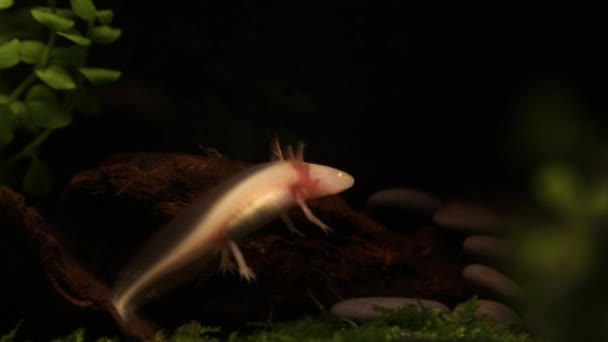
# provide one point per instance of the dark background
(427, 94)
(443, 96)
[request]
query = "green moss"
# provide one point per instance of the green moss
(192, 331)
(77, 335)
(404, 324)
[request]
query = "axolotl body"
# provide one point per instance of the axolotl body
(214, 222)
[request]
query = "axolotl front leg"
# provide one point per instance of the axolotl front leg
(298, 157)
(245, 271)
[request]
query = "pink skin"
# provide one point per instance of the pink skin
(212, 224)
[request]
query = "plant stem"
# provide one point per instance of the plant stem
(27, 149)
(47, 50)
(23, 86)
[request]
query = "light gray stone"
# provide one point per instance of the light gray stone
(497, 312)
(485, 246)
(489, 278)
(464, 216)
(403, 199)
(362, 309)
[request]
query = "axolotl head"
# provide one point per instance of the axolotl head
(321, 180)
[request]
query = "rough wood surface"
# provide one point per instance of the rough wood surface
(109, 211)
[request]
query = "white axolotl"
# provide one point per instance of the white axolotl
(235, 208)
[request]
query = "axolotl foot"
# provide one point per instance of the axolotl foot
(247, 274)
(227, 265)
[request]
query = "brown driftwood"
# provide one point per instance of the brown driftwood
(109, 211)
(65, 275)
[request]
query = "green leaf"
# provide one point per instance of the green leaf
(76, 37)
(84, 9)
(105, 17)
(56, 77)
(7, 125)
(68, 57)
(598, 198)
(19, 23)
(53, 21)
(4, 4)
(38, 180)
(100, 75)
(31, 51)
(18, 108)
(44, 108)
(45, 117)
(62, 12)
(86, 103)
(105, 34)
(9, 53)
(42, 93)
(23, 117)
(559, 188)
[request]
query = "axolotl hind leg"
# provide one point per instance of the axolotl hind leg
(226, 263)
(244, 270)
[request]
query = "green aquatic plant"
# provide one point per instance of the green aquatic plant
(192, 331)
(10, 336)
(79, 335)
(54, 81)
(408, 323)
(560, 257)
(559, 238)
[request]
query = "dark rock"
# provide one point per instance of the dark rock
(468, 217)
(489, 278)
(398, 206)
(403, 199)
(485, 246)
(497, 312)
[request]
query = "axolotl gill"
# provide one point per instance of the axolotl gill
(211, 225)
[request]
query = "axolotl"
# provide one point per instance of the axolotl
(213, 223)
